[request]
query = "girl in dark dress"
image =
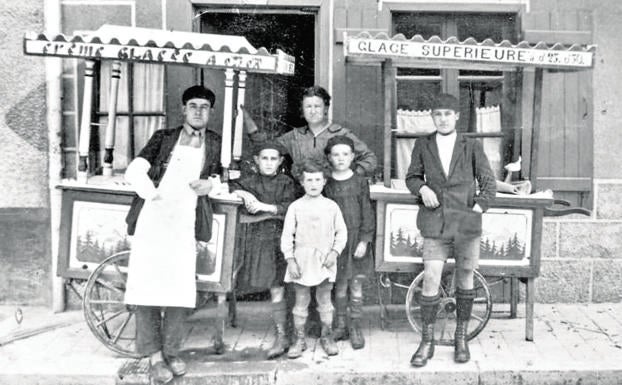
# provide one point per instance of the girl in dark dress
(351, 192)
(266, 196)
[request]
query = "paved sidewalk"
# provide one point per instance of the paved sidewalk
(573, 344)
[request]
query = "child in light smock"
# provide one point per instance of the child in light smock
(314, 235)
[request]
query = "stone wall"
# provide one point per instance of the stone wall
(582, 257)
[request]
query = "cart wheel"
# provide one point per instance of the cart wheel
(446, 317)
(109, 318)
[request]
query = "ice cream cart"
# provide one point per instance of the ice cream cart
(92, 238)
(512, 228)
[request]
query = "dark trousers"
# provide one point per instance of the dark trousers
(160, 328)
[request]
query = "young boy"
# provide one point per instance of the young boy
(351, 192)
(314, 234)
(445, 171)
(266, 196)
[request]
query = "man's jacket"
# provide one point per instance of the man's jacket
(456, 192)
(158, 152)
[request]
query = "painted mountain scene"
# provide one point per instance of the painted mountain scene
(505, 233)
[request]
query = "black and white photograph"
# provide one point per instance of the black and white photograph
(310, 192)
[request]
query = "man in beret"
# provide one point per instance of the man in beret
(169, 215)
(446, 171)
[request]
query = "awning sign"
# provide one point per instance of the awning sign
(249, 62)
(370, 47)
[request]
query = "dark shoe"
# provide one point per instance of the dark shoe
(340, 331)
(299, 345)
(461, 347)
(160, 373)
(357, 340)
(280, 343)
(425, 351)
(176, 365)
(327, 341)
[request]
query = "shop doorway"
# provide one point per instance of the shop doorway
(272, 100)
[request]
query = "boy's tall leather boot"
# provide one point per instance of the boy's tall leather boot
(357, 340)
(425, 351)
(464, 306)
(279, 315)
(327, 341)
(340, 331)
(300, 344)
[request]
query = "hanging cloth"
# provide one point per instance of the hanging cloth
(162, 263)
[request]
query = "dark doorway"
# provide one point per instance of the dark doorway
(272, 100)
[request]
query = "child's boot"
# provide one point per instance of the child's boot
(281, 343)
(357, 340)
(425, 351)
(340, 332)
(299, 345)
(327, 341)
(464, 306)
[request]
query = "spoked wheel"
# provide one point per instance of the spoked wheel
(111, 321)
(446, 317)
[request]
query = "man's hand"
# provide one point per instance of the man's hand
(293, 268)
(361, 250)
(331, 259)
(201, 186)
(428, 196)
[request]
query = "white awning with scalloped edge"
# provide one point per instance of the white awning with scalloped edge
(114, 42)
(419, 52)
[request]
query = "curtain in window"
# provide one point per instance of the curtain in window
(488, 120)
(412, 122)
(415, 122)
(148, 97)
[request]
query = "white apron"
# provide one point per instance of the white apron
(162, 263)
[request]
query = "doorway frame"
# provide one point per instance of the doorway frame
(183, 16)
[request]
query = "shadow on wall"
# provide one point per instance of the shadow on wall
(27, 118)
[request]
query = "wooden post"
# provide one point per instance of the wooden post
(85, 123)
(239, 127)
(225, 153)
(388, 80)
(535, 126)
(112, 118)
(529, 302)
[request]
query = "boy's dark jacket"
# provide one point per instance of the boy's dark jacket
(456, 192)
(158, 152)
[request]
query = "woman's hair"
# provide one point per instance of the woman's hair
(316, 91)
(311, 164)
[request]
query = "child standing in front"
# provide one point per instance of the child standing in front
(314, 234)
(266, 196)
(351, 192)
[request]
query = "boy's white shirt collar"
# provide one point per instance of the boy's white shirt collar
(445, 144)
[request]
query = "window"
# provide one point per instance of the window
(484, 95)
(135, 122)
(140, 108)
